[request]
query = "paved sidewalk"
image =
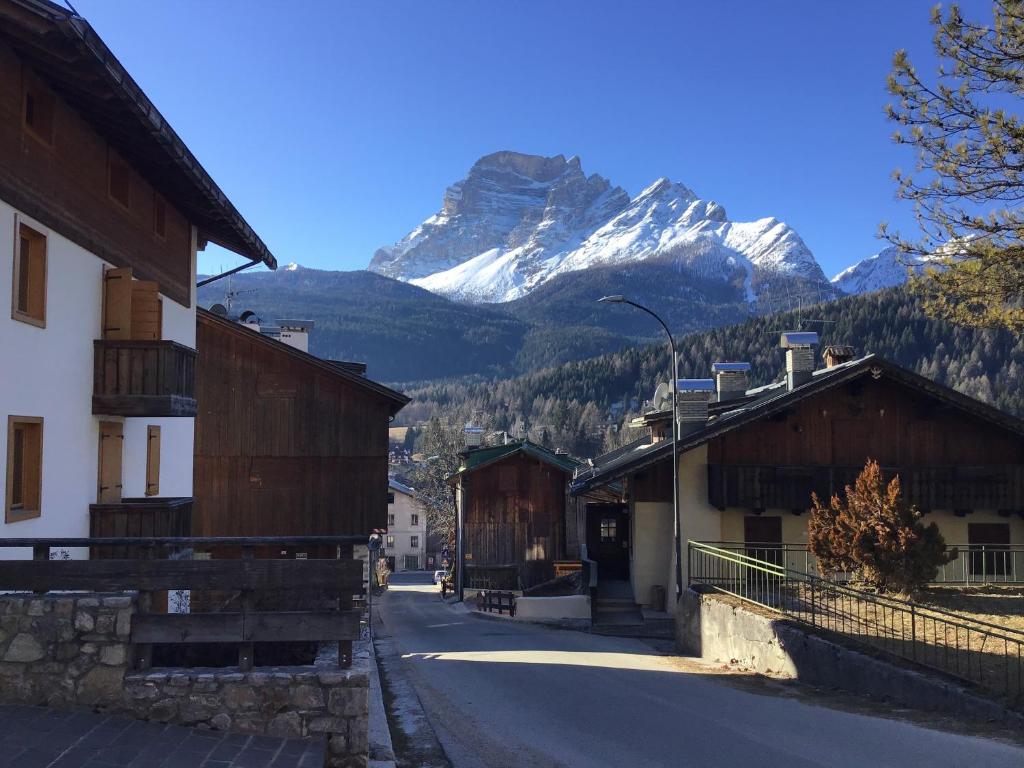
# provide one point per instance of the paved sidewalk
(35, 737)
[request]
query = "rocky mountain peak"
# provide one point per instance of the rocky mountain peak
(518, 220)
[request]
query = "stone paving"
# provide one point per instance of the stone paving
(36, 737)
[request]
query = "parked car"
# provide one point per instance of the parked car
(439, 576)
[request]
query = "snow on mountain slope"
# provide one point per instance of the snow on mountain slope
(885, 269)
(518, 220)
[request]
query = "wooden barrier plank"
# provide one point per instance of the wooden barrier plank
(274, 626)
(121, 575)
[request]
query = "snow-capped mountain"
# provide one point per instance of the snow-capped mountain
(885, 269)
(517, 221)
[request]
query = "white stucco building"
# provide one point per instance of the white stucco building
(405, 543)
(102, 212)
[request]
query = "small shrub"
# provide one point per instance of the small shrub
(876, 536)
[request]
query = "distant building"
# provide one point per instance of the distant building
(405, 543)
(102, 212)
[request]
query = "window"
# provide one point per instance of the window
(24, 468)
(609, 529)
(391, 519)
(38, 113)
(414, 519)
(412, 562)
(390, 541)
(119, 177)
(414, 542)
(152, 460)
(391, 497)
(29, 302)
(159, 216)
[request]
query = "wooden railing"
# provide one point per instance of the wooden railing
(150, 516)
(330, 583)
(143, 378)
(996, 487)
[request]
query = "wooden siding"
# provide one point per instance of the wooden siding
(515, 515)
(283, 447)
(869, 418)
(64, 186)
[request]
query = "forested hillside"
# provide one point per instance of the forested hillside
(577, 406)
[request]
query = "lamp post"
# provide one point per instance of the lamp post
(617, 299)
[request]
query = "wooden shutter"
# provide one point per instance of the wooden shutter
(152, 460)
(117, 303)
(145, 311)
(111, 451)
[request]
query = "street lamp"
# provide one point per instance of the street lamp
(619, 299)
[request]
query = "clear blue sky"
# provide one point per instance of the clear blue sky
(335, 126)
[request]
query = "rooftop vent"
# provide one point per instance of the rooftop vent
(474, 436)
(731, 380)
(799, 346)
(837, 354)
(692, 396)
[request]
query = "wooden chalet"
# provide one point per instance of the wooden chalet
(514, 516)
(748, 466)
(287, 444)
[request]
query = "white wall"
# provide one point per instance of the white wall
(48, 372)
(404, 507)
(652, 548)
(700, 520)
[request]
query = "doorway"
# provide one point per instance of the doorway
(762, 536)
(608, 540)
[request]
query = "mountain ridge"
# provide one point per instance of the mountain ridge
(518, 221)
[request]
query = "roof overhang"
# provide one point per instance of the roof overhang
(65, 50)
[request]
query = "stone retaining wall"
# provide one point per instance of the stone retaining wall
(74, 650)
(724, 631)
(64, 650)
(278, 701)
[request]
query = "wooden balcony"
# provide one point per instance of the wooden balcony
(143, 378)
(148, 517)
(995, 487)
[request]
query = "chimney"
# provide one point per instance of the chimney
(692, 396)
(837, 354)
(799, 346)
(474, 436)
(730, 380)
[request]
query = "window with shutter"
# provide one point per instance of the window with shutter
(152, 460)
(29, 300)
(24, 468)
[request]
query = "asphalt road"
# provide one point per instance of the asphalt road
(507, 694)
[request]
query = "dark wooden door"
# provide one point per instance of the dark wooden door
(763, 536)
(608, 540)
(989, 545)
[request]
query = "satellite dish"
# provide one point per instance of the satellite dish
(663, 397)
(246, 316)
(219, 309)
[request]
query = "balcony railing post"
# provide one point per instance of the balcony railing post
(248, 601)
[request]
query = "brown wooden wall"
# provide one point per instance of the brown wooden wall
(515, 515)
(282, 446)
(880, 419)
(64, 187)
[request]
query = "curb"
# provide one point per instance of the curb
(382, 751)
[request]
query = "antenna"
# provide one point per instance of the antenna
(230, 295)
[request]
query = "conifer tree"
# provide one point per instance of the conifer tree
(968, 184)
(874, 534)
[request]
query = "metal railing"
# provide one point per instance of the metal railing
(977, 652)
(973, 564)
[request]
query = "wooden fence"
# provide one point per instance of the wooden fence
(254, 575)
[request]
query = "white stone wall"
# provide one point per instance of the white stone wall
(48, 372)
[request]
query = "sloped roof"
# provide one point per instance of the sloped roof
(772, 398)
(63, 49)
(480, 457)
(397, 399)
